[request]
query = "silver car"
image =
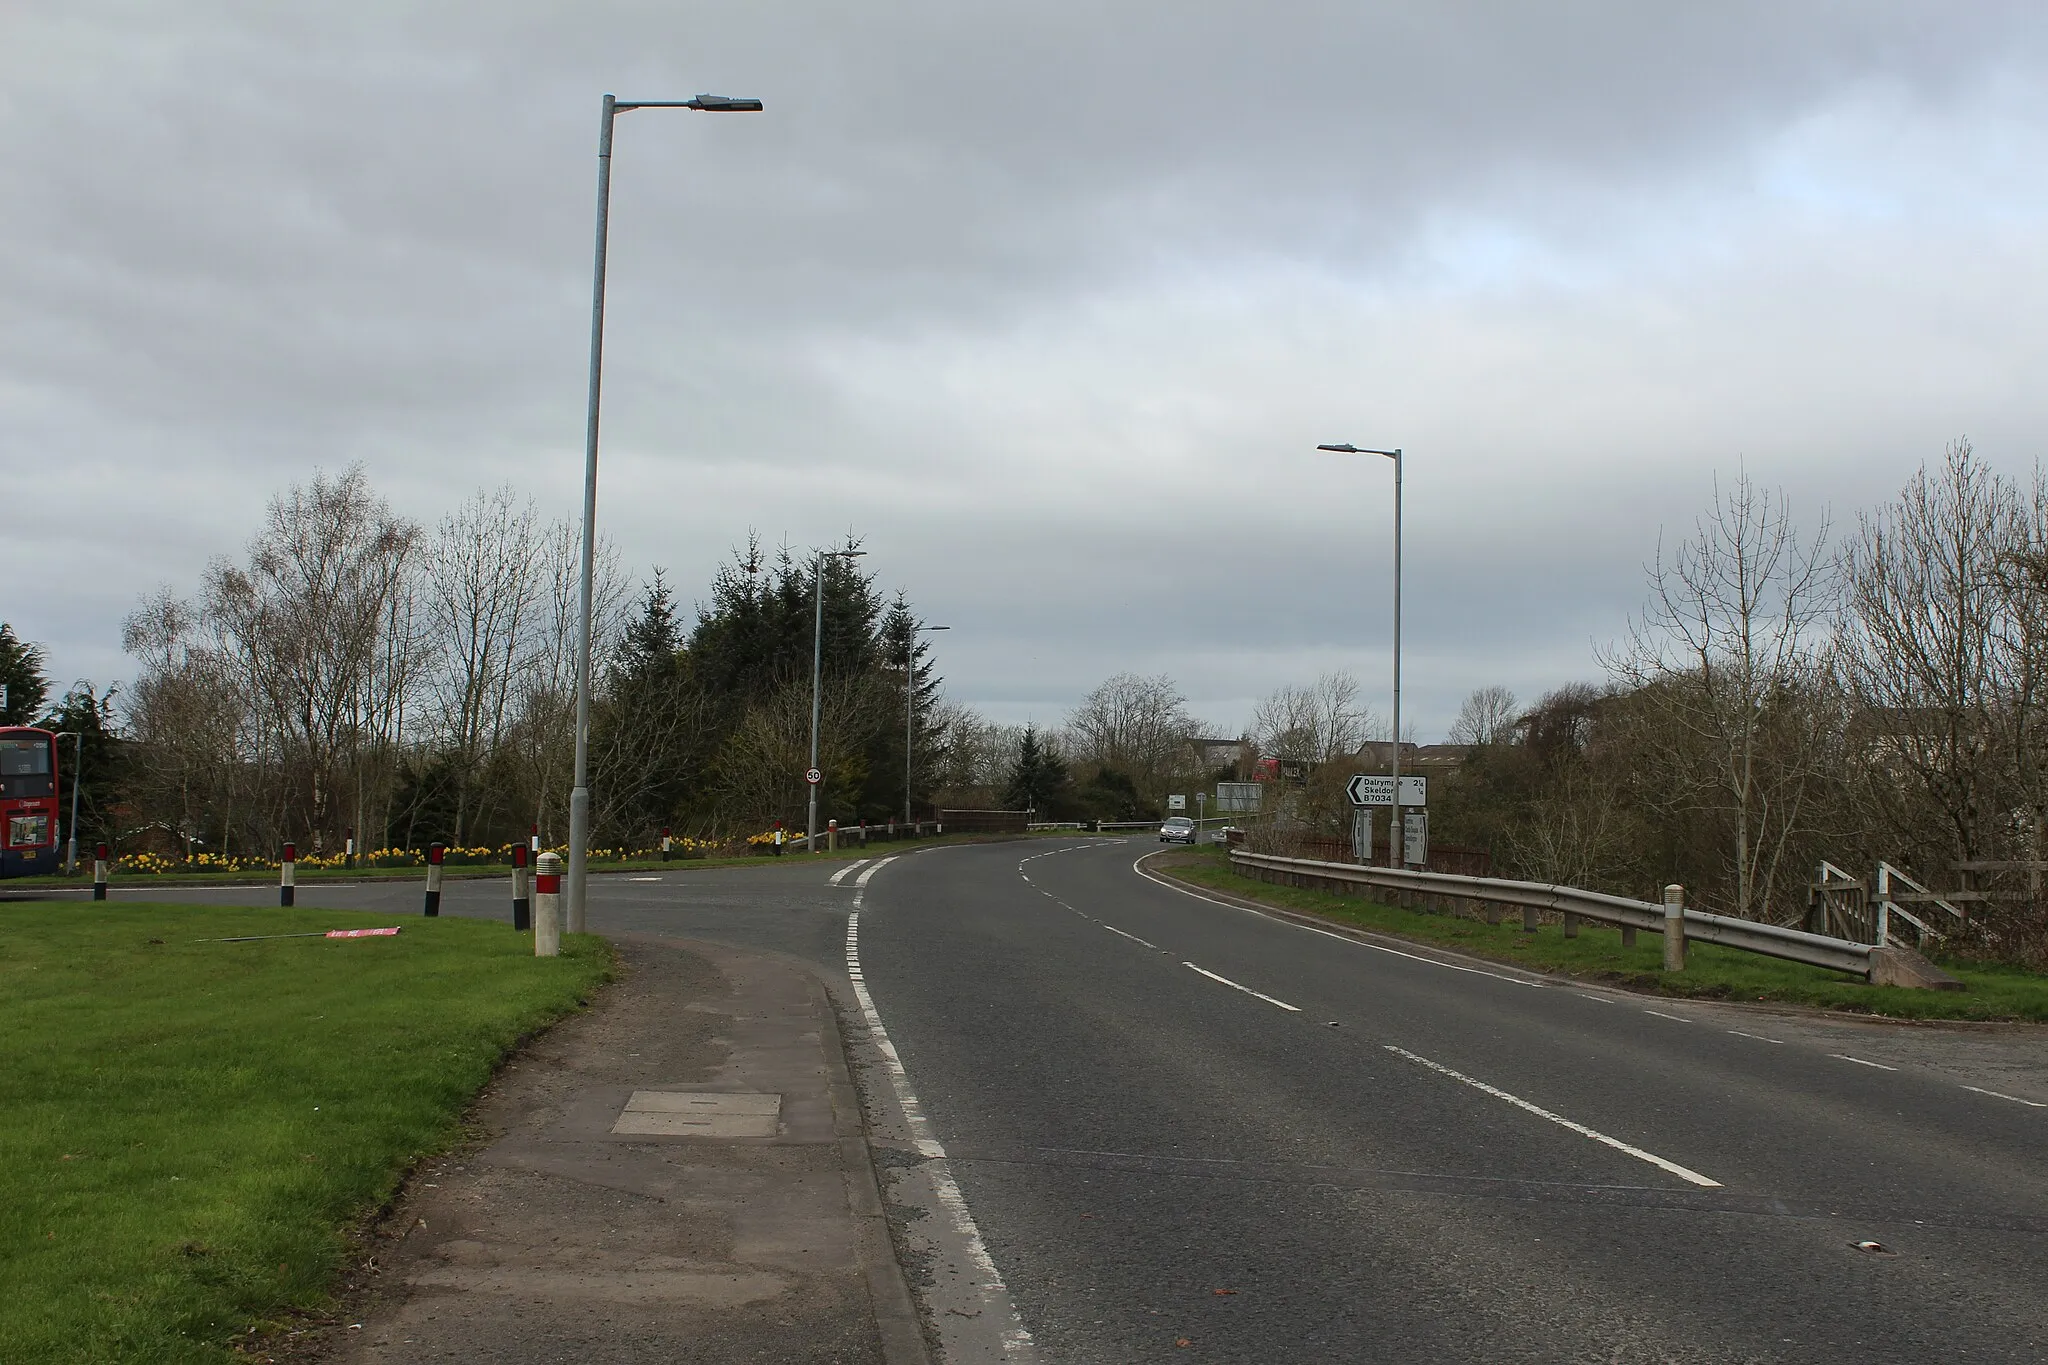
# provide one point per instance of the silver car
(1178, 829)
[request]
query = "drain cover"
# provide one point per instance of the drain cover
(673, 1113)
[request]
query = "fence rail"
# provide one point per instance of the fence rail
(1771, 940)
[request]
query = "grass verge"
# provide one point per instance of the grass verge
(192, 1129)
(1711, 971)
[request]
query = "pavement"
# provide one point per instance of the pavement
(1117, 1122)
(735, 1219)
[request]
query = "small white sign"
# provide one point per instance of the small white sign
(1415, 837)
(1378, 790)
(1176, 803)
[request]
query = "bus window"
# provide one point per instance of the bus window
(25, 768)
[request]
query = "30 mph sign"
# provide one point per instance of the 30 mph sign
(813, 776)
(1379, 791)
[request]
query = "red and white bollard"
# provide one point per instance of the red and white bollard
(547, 906)
(287, 877)
(434, 854)
(99, 873)
(533, 841)
(831, 836)
(664, 845)
(522, 908)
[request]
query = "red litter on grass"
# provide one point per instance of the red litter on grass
(364, 933)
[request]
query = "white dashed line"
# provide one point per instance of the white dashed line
(1295, 1009)
(1617, 1144)
(995, 1295)
(1132, 937)
(1758, 1036)
(2031, 1104)
(840, 875)
(1845, 1057)
(1596, 999)
(1674, 1018)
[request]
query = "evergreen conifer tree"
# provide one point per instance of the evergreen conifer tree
(21, 672)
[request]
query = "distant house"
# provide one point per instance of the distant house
(1423, 760)
(1236, 754)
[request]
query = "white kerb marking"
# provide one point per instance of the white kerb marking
(1845, 1057)
(2031, 1104)
(840, 875)
(1296, 1009)
(994, 1293)
(1581, 1129)
(1341, 938)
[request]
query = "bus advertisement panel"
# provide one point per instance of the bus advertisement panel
(28, 802)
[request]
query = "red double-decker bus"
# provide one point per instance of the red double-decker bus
(28, 802)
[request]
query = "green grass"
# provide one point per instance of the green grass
(1710, 972)
(189, 1131)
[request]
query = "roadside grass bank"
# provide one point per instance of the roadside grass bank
(191, 1130)
(1711, 971)
(305, 876)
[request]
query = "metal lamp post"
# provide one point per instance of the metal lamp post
(817, 694)
(579, 795)
(1395, 852)
(909, 708)
(77, 738)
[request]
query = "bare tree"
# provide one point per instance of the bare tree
(1487, 717)
(1725, 659)
(1139, 726)
(1316, 723)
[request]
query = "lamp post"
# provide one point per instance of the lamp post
(1394, 834)
(77, 738)
(579, 795)
(910, 708)
(817, 695)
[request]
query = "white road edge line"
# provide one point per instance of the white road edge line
(995, 1295)
(1295, 1009)
(1674, 1018)
(1581, 1129)
(1341, 938)
(1845, 1057)
(1758, 1036)
(2031, 1104)
(840, 875)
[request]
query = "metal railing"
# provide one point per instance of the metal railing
(1771, 940)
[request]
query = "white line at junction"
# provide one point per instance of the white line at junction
(840, 875)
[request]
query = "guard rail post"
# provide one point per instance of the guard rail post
(287, 876)
(1529, 921)
(434, 855)
(99, 872)
(547, 906)
(1571, 925)
(1674, 928)
(522, 906)
(1628, 936)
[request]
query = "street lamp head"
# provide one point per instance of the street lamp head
(1342, 450)
(723, 104)
(934, 627)
(1348, 449)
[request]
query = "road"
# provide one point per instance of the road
(1187, 1132)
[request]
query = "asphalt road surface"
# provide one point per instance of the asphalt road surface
(1186, 1132)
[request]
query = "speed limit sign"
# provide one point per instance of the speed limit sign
(813, 776)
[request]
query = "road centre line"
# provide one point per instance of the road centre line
(840, 875)
(863, 878)
(995, 1295)
(1341, 938)
(1616, 1143)
(2031, 1104)
(1132, 937)
(1845, 1057)
(1295, 1009)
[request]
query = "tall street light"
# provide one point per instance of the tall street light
(579, 795)
(909, 708)
(1394, 835)
(817, 695)
(77, 738)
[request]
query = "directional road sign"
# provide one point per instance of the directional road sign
(813, 776)
(1373, 790)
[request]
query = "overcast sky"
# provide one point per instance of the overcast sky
(1048, 303)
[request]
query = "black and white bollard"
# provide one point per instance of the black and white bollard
(1674, 928)
(287, 877)
(533, 841)
(350, 852)
(434, 854)
(547, 906)
(664, 845)
(99, 873)
(522, 908)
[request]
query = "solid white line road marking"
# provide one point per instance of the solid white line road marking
(1758, 1036)
(994, 1293)
(1296, 1009)
(2031, 1104)
(1341, 938)
(840, 875)
(880, 863)
(1674, 1018)
(1845, 1057)
(1617, 1144)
